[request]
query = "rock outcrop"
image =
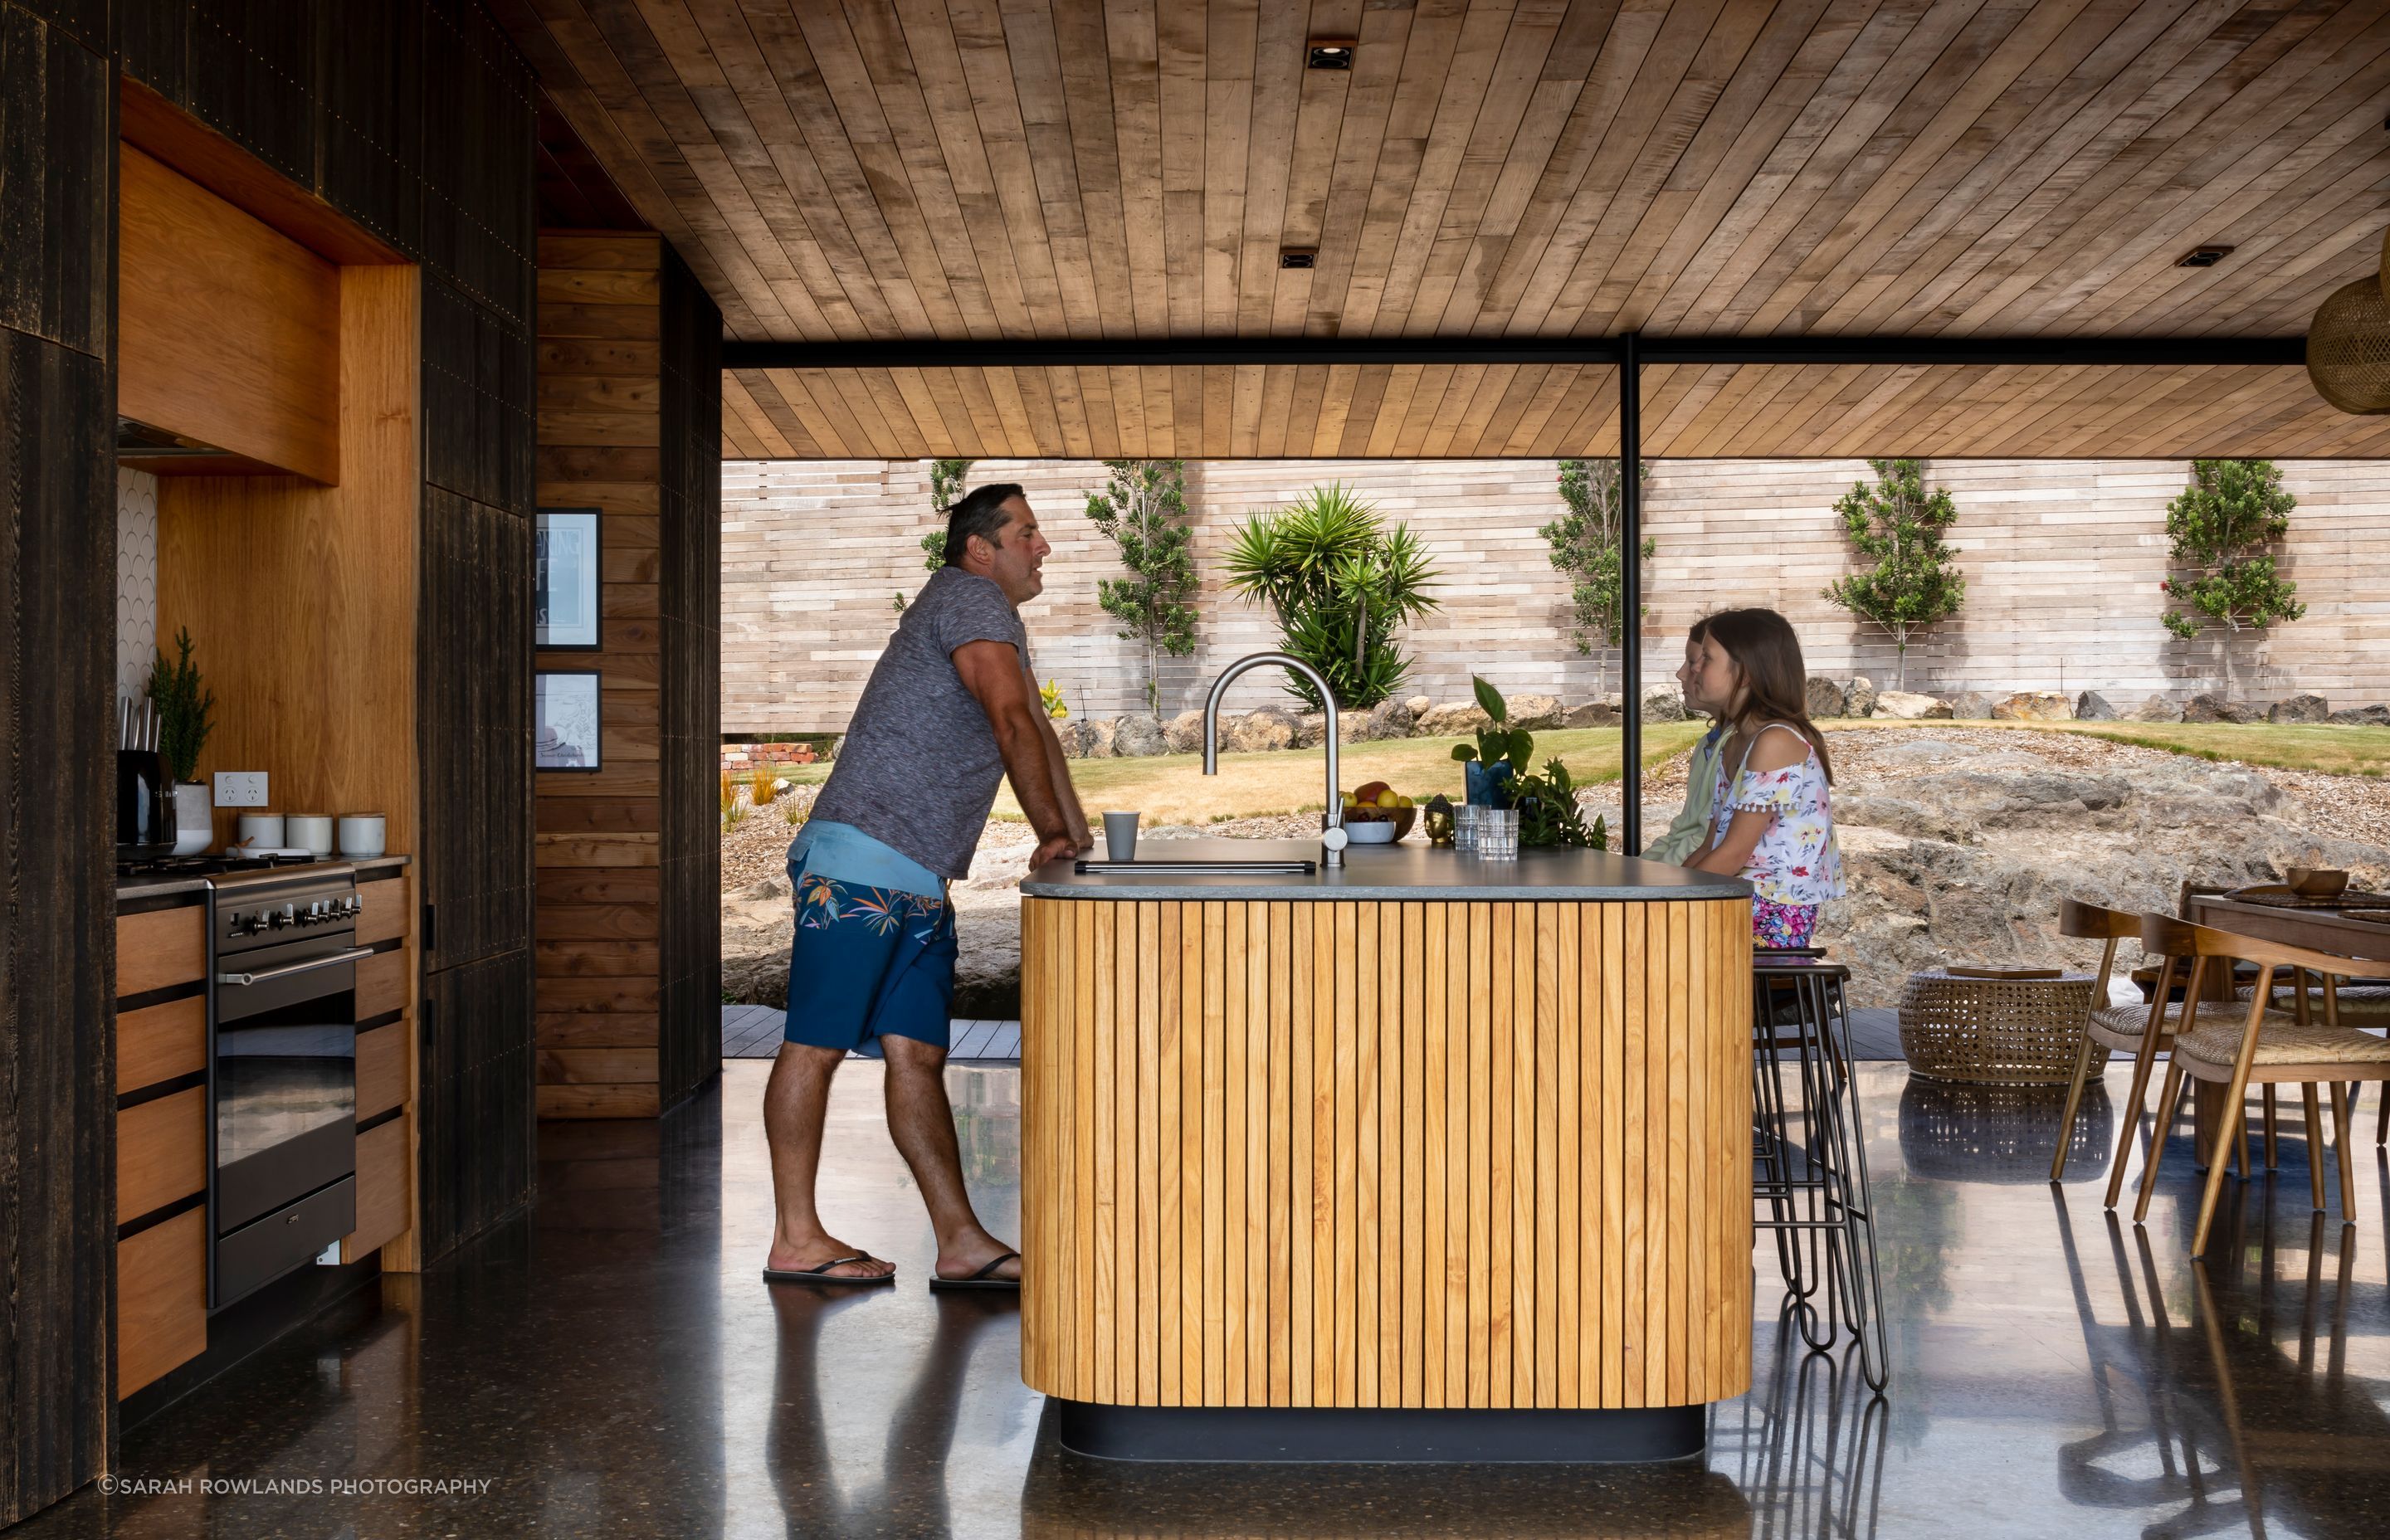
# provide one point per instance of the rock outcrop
(2157, 707)
(2210, 707)
(1137, 736)
(2034, 706)
(1907, 706)
(2300, 707)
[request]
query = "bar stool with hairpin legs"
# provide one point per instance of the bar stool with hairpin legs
(1812, 1156)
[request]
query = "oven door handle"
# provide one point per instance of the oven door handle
(287, 969)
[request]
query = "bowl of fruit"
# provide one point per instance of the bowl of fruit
(1376, 815)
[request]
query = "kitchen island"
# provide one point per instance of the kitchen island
(1423, 1156)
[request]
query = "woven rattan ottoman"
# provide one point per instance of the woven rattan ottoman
(1991, 1027)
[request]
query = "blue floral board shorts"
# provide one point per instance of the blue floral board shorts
(1774, 924)
(868, 962)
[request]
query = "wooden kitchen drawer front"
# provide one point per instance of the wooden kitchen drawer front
(382, 983)
(383, 1182)
(385, 914)
(161, 1152)
(160, 1043)
(381, 1068)
(162, 1299)
(160, 948)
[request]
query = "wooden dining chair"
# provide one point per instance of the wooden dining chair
(2262, 1045)
(2145, 1031)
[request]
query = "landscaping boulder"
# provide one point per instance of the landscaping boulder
(1858, 696)
(2208, 706)
(1184, 733)
(1826, 698)
(1972, 706)
(2157, 707)
(1101, 732)
(1536, 713)
(2092, 706)
(1418, 706)
(1388, 719)
(1311, 728)
(1077, 738)
(2300, 707)
(2034, 706)
(2364, 716)
(1258, 731)
(1907, 706)
(1457, 719)
(1662, 703)
(1136, 736)
(1593, 714)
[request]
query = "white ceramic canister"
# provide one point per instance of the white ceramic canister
(362, 835)
(261, 829)
(195, 823)
(310, 831)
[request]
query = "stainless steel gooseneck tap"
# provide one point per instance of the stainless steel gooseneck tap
(1331, 839)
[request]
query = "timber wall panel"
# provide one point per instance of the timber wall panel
(58, 561)
(1383, 1154)
(2061, 560)
(628, 859)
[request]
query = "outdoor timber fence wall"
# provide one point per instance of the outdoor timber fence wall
(2062, 561)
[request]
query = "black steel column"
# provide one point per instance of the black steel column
(1630, 596)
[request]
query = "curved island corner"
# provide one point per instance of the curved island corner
(1424, 1157)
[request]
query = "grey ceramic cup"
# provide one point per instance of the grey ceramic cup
(1120, 836)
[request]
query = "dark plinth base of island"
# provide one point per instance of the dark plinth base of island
(1335, 1435)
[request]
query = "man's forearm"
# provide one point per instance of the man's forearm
(1025, 764)
(1065, 792)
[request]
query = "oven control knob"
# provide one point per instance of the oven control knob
(287, 915)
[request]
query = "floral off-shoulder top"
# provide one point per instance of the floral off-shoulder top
(1796, 860)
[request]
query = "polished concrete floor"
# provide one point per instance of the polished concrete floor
(612, 1366)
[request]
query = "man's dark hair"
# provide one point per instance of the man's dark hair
(978, 512)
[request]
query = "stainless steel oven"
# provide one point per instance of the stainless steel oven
(282, 1083)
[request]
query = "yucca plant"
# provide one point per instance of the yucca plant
(1340, 581)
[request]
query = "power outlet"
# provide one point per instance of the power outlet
(240, 788)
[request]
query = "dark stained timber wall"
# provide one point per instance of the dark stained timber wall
(58, 560)
(690, 1037)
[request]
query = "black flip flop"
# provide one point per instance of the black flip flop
(979, 1279)
(823, 1274)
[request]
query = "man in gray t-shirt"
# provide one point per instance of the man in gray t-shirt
(950, 712)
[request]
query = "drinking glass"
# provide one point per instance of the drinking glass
(1464, 827)
(1498, 833)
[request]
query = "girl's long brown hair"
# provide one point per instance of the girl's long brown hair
(1767, 656)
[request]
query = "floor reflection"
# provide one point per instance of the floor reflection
(610, 1365)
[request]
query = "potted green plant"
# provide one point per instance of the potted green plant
(1498, 775)
(185, 710)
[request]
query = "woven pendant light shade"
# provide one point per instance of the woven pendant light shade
(2349, 348)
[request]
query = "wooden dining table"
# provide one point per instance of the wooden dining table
(2342, 933)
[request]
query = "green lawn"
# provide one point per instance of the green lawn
(1172, 789)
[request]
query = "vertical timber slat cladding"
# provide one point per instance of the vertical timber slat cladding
(2062, 559)
(57, 558)
(1518, 1012)
(629, 917)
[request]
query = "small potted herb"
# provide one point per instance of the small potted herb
(185, 710)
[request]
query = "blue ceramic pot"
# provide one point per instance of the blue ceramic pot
(1488, 784)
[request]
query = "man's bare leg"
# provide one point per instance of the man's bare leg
(923, 1122)
(796, 1101)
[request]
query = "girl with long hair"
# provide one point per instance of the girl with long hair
(1772, 821)
(1690, 832)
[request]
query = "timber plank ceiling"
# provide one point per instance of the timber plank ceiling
(1027, 170)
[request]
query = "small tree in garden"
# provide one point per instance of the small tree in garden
(1340, 581)
(945, 485)
(1897, 524)
(2219, 528)
(1143, 511)
(1584, 545)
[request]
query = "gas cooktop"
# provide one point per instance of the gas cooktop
(176, 867)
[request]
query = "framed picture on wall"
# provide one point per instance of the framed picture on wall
(564, 564)
(564, 720)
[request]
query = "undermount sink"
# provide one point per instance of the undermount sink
(1166, 867)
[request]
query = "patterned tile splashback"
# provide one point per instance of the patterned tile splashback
(136, 579)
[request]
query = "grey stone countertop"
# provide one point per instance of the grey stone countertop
(1404, 871)
(194, 886)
